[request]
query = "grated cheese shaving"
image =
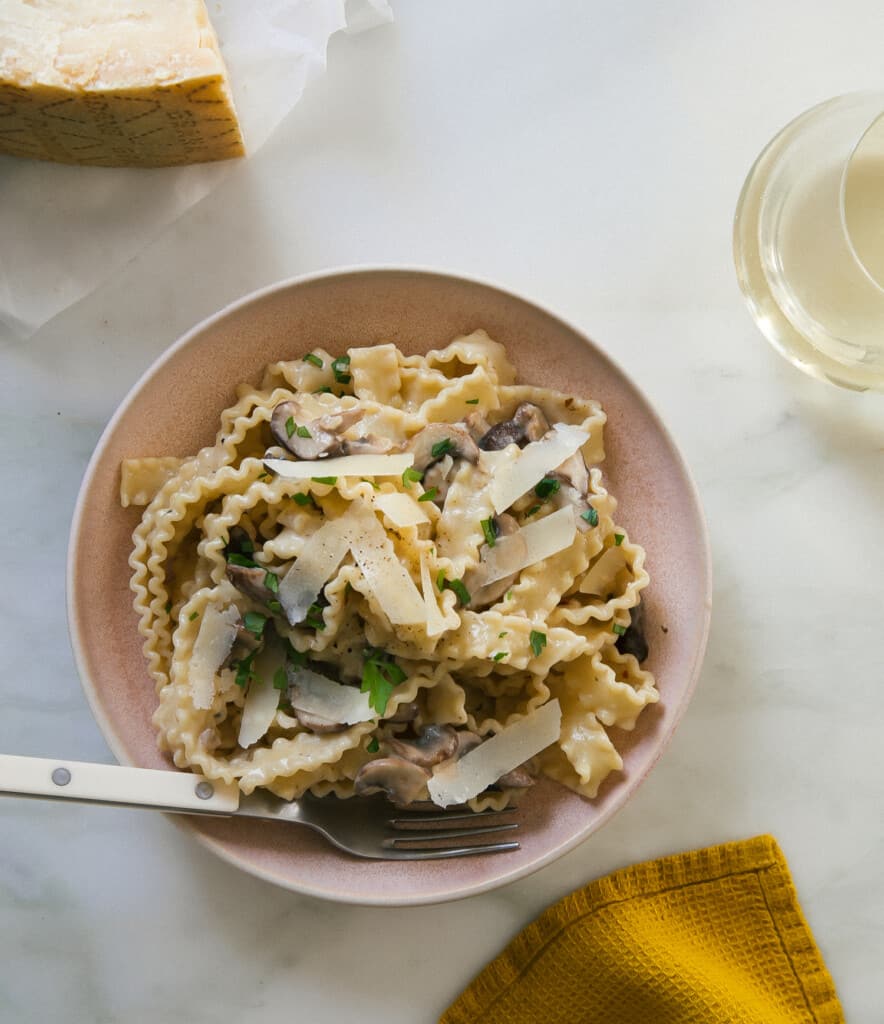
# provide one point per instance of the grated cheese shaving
(436, 624)
(322, 696)
(303, 583)
(214, 641)
(401, 509)
(513, 479)
(346, 465)
(385, 575)
(542, 539)
(262, 699)
(455, 782)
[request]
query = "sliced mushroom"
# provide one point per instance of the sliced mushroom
(405, 713)
(322, 437)
(528, 423)
(477, 426)
(368, 445)
(573, 472)
(509, 547)
(634, 641)
(518, 778)
(433, 744)
(402, 781)
(437, 440)
(318, 724)
(438, 477)
(250, 581)
(466, 741)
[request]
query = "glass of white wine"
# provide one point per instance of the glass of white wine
(809, 241)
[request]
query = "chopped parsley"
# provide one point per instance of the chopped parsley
(301, 432)
(440, 580)
(500, 636)
(340, 366)
(380, 676)
(244, 669)
(324, 479)
(537, 641)
(618, 629)
(167, 607)
(618, 539)
(314, 617)
(314, 360)
(500, 655)
(324, 390)
(373, 745)
(234, 558)
(591, 516)
(371, 483)
(472, 401)
(443, 447)
(490, 530)
(463, 595)
(303, 499)
(280, 679)
(532, 511)
(264, 476)
(429, 495)
(290, 426)
(299, 659)
(271, 582)
(411, 476)
(275, 607)
(547, 487)
(193, 615)
(509, 594)
(254, 622)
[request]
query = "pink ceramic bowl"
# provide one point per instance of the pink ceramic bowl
(174, 409)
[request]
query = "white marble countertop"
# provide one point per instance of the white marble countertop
(589, 156)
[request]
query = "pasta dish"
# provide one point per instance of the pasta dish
(391, 573)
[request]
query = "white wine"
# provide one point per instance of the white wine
(809, 242)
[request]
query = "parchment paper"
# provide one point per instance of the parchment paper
(63, 230)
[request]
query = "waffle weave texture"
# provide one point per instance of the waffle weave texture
(714, 936)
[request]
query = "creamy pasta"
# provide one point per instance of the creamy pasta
(384, 562)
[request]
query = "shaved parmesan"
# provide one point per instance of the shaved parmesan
(346, 465)
(303, 583)
(385, 575)
(328, 699)
(213, 643)
(455, 782)
(531, 544)
(401, 509)
(262, 700)
(602, 575)
(512, 479)
(435, 619)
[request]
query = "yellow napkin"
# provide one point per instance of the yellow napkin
(706, 937)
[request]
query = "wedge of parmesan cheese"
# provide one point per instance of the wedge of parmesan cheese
(436, 623)
(115, 83)
(346, 465)
(513, 479)
(213, 643)
(455, 782)
(328, 699)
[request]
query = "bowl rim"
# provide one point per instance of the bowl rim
(217, 846)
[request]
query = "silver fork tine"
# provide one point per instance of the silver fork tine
(426, 836)
(453, 851)
(447, 818)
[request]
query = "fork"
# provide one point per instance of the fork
(364, 826)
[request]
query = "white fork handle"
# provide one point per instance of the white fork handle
(113, 784)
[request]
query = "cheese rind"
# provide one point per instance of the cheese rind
(114, 83)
